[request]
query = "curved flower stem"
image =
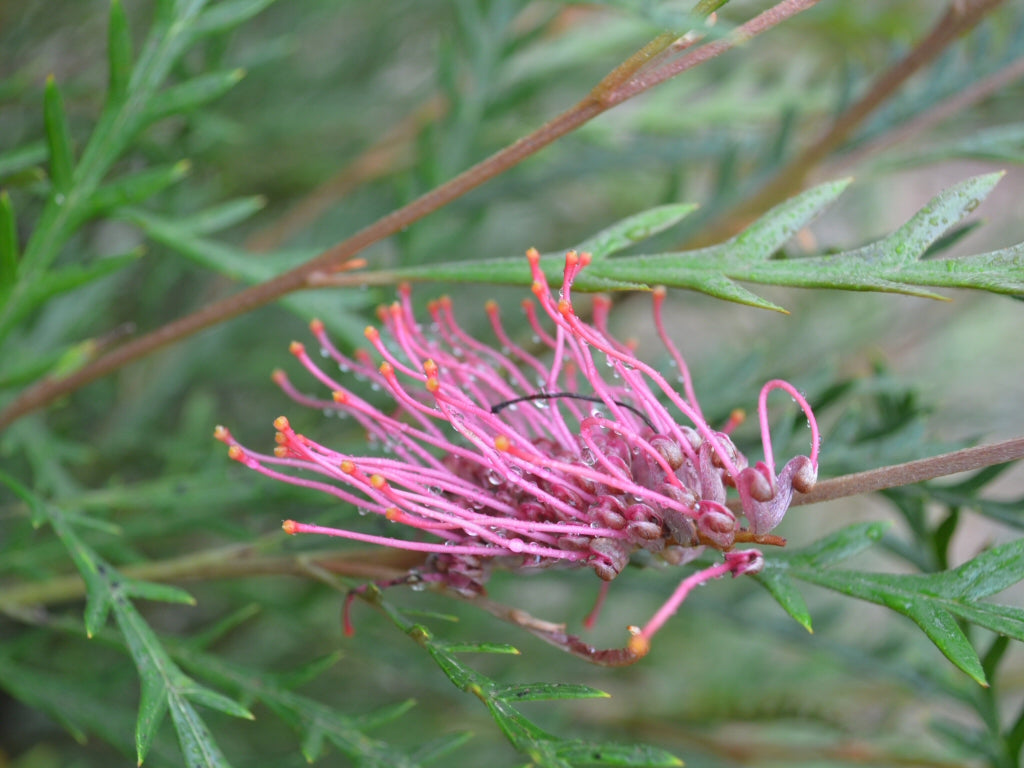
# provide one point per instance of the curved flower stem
(640, 72)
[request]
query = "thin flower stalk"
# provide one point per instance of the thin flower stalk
(495, 456)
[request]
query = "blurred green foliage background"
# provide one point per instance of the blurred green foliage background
(348, 110)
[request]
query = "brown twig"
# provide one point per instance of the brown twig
(965, 460)
(607, 94)
(960, 17)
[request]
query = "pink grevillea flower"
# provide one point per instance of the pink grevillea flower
(579, 457)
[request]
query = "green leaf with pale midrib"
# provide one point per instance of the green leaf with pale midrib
(934, 601)
(891, 265)
(543, 748)
(164, 686)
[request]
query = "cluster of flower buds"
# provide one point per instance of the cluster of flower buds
(577, 457)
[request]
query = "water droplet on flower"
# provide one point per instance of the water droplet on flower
(516, 545)
(494, 477)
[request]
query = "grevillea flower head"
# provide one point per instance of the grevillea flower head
(578, 457)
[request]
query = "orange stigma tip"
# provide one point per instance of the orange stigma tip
(571, 257)
(405, 287)
(316, 326)
(393, 514)
(235, 453)
(297, 348)
(378, 481)
(433, 384)
(638, 645)
(659, 291)
(502, 443)
(290, 527)
(395, 309)
(339, 397)
(281, 424)
(432, 306)
(281, 452)
(585, 258)
(491, 305)
(280, 438)
(445, 301)
(278, 376)
(221, 433)
(430, 367)
(348, 467)
(564, 307)
(371, 333)
(532, 254)
(386, 369)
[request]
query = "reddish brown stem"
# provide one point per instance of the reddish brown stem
(608, 93)
(966, 460)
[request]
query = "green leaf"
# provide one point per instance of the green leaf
(9, 252)
(785, 592)
(58, 138)
(67, 278)
(634, 229)
(135, 188)
(548, 692)
(834, 548)
(616, 754)
(222, 216)
(119, 53)
(22, 158)
(164, 686)
(225, 15)
(827, 551)
(315, 721)
(333, 307)
(543, 748)
(935, 601)
(893, 264)
(187, 96)
(439, 747)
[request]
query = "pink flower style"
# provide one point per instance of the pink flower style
(572, 460)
